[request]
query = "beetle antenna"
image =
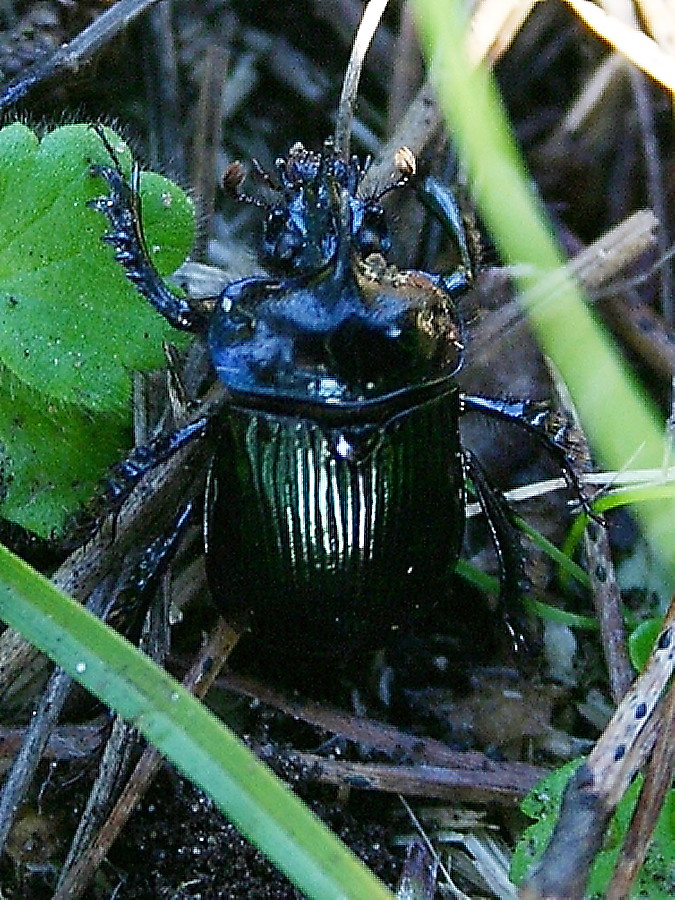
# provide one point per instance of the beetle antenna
(110, 150)
(406, 166)
(264, 176)
(233, 178)
(350, 86)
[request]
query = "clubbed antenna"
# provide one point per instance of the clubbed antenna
(350, 86)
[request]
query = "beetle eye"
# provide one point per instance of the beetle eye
(373, 234)
(281, 240)
(276, 223)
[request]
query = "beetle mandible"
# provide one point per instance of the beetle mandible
(337, 483)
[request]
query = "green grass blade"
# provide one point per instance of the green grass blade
(184, 731)
(618, 418)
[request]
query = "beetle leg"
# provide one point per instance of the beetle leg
(145, 575)
(127, 474)
(537, 419)
(442, 204)
(122, 208)
(505, 538)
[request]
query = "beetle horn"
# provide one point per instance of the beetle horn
(364, 36)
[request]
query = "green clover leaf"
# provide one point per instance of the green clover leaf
(72, 328)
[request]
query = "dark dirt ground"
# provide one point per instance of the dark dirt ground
(196, 85)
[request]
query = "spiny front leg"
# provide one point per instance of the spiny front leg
(123, 210)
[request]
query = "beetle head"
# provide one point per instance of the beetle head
(341, 331)
(304, 228)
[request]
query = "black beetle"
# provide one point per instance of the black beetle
(338, 480)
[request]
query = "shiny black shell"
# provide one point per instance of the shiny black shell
(326, 539)
(335, 505)
(335, 508)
